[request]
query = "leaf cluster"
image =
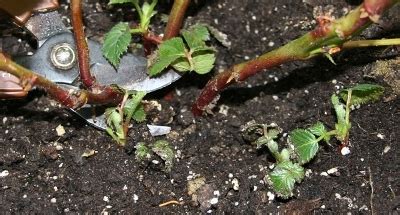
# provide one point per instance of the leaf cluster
(189, 53)
(118, 118)
(117, 40)
(305, 142)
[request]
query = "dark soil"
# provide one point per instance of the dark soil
(47, 174)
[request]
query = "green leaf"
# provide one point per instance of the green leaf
(196, 36)
(132, 104)
(139, 115)
(305, 144)
(339, 109)
(114, 125)
(284, 176)
(163, 149)
(203, 63)
(116, 43)
(182, 65)
(362, 93)
(142, 152)
(122, 1)
(147, 13)
(318, 129)
(168, 52)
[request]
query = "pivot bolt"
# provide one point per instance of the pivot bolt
(63, 56)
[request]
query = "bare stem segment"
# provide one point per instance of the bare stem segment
(68, 98)
(327, 38)
(81, 45)
(175, 19)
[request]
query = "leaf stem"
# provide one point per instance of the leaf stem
(369, 43)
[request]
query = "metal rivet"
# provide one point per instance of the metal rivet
(63, 56)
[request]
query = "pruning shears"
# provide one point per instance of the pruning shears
(56, 58)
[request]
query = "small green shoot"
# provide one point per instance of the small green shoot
(288, 169)
(160, 148)
(142, 152)
(188, 54)
(117, 40)
(118, 118)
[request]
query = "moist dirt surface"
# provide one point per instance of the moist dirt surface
(43, 172)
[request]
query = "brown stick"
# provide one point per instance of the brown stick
(175, 19)
(81, 45)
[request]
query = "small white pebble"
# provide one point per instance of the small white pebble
(332, 171)
(217, 193)
(60, 130)
(4, 173)
(271, 44)
(4, 120)
(53, 200)
(362, 159)
(55, 188)
(255, 188)
(274, 97)
(106, 199)
(125, 187)
(381, 136)
(323, 174)
(155, 161)
(323, 206)
(24, 196)
(345, 151)
(236, 203)
(334, 81)
(135, 198)
(271, 196)
(235, 183)
(214, 200)
(230, 175)
(386, 149)
(209, 211)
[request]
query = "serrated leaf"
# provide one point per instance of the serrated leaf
(139, 115)
(196, 36)
(122, 1)
(132, 104)
(181, 64)
(305, 144)
(163, 149)
(168, 52)
(116, 42)
(142, 151)
(203, 63)
(284, 176)
(318, 129)
(362, 93)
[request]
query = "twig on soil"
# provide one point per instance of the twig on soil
(327, 38)
(68, 98)
(170, 203)
(371, 184)
(81, 45)
(175, 19)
